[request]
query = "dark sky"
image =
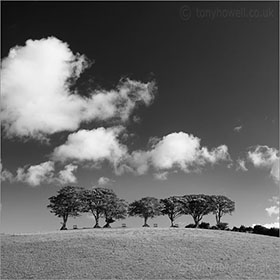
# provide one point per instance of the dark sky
(213, 74)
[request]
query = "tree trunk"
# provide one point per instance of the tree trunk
(145, 222)
(196, 221)
(64, 223)
(172, 222)
(108, 222)
(217, 219)
(96, 221)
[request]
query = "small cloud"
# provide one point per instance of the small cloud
(238, 128)
(241, 165)
(161, 176)
(274, 209)
(104, 181)
(36, 174)
(96, 145)
(265, 157)
(6, 175)
(66, 175)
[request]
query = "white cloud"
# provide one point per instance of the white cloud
(137, 162)
(217, 154)
(265, 157)
(6, 175)
(104, 181)
(119, 103)
(176, 150)
(66, 175)
(36, 174)
(241, 165)
(94, 145)
(36, 99)
(238, 128)
(272, 210)
(161, 176)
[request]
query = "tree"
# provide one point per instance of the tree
(196, 205)
(66, 204)
(114, 209)
(221, 206)
(95, 201)
(171, 207)
(147, 207)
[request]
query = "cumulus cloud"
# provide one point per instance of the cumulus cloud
(104, 181)
(36, 174)
(66, 175)
(238, 128)
(95, 145)
(162, 176)
(274, 209)
(6, 175)
(180, 149)
(176, 150)
(265, 157)
(36, 99)
(137, 162)
(241, 165)
(120, 102)
(43, 173)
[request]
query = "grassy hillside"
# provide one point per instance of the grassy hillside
(148, 253)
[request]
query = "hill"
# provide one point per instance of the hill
(146, 253)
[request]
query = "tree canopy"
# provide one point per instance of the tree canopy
(197, 205)
(95, 201)
(114, 209)
(172, 207)
(222, 205)
(66, 203)
(104, 203)
(147, 207)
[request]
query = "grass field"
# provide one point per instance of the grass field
(146, 253)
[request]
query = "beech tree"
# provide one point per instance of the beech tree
(114, 209)
(222, 205)
(66, 204)
(196, 205)
(147, 207)
(95, 201)
(172, 207)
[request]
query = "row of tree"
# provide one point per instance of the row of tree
(103, 203)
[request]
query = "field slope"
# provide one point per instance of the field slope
(148, 253)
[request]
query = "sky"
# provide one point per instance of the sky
(148, 99)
